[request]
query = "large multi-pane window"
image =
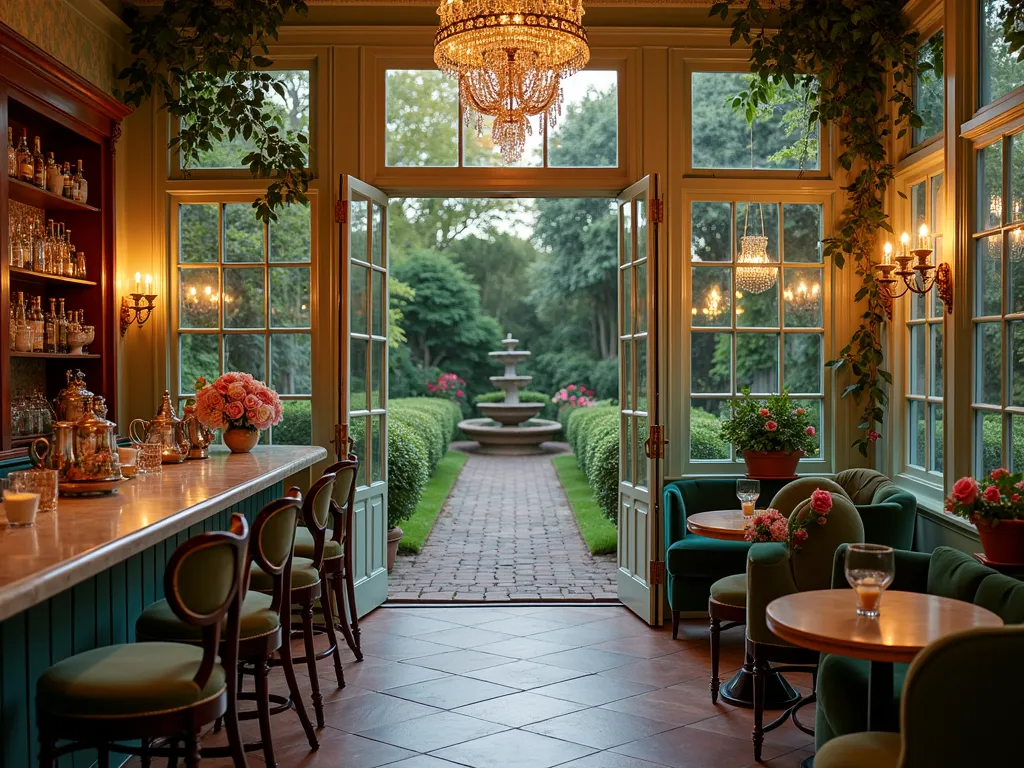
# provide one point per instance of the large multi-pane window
(999, 71)
(929, 88)
(924, 344)
(424, 130)
(998, 304)
(243, 303)
(760, 327)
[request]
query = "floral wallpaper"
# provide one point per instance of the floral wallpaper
(67, 35)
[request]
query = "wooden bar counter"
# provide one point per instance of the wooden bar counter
(80, 578)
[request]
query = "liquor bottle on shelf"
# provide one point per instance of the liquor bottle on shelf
(38, 324)
(38, 246)
(23, 334)
(26, 170)
(68, 189)
(69, 259)
(80, 185)
(54, 177)
(38, 166)
(81, 269)
(62, 328)
(12, 154)
(50, 329)
(12, 330)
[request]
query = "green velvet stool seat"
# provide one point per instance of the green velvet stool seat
(159, 623)
(304, 574)
(304, 545)
(108, 697)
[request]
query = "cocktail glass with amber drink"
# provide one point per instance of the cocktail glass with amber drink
(870, 569)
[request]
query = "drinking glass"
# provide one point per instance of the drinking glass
(19, 506)
(870, 568)
(151, 457)
(41, 481)
(747, 492)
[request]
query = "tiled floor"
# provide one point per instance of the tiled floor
(505, 533)
(529, 687)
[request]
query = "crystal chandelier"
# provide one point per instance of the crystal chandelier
(510, 57)
(803, 297)
(757, 274)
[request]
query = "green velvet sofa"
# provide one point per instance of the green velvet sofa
(843, 682)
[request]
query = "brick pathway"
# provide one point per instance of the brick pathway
(506, 533)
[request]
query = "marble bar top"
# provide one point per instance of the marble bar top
(88, 535)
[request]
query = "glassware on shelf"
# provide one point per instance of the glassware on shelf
(25, 168)
(12, 154)
(870, 569)
(747, 492)
(39, 481)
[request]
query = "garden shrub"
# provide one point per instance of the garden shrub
(706, 441)
(427, 426)
(526, 396)
(445, 412)
(407, 471)
(593, 434)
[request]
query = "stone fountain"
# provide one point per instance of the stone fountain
(511, 427)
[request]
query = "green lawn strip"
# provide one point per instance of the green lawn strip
(598, 531)
(418, 527)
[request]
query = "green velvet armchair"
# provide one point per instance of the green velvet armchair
(773, 572)
(961, 707)
(693, 563)
(843, 682)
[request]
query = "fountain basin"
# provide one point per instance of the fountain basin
(510, 414)
(510, 441)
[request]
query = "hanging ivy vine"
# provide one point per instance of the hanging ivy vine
(846, 54)
(204, 60)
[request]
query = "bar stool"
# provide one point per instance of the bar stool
(335, 569)
(265, 621)
(306, 589)
(106, 696)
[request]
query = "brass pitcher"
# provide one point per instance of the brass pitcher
(166, 429)
(200, 437)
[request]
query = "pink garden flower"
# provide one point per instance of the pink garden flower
(1015, 498)
(965, 490)
(811, 431)
(236, 392)
(780, 530)
(800, 536)
(991, 495)
(238, 400)
(873, 436)
(765, 412)
(771, 426)
(234, 410)
(998, 474)
(800, 411)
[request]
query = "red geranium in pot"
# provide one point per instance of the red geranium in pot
(996, 507)
(771, 434)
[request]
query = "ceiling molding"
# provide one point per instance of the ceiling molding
(593, 3)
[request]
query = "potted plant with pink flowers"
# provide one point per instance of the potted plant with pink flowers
(770, 525)
(771, 434)
(996, 507)
(241, 406)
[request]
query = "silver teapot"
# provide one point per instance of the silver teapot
(74, 401)
(200, 437)
(83, 450)
(166, 429)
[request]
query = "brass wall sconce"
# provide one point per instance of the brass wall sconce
(914, 268)
(141, 306)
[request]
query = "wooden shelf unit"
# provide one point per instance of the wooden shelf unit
(74, 120)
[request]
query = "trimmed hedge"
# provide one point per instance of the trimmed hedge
(526, 396)
(593, 434)
(419, 430)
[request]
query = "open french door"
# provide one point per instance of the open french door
(641, 571)
(362, 213)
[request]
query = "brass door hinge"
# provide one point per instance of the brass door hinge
(657, 211)
(341, 211)
(654, 445)
(657, 572)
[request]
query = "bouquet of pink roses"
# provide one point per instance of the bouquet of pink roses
(770, 525)
(237, 400)
(1000, 496)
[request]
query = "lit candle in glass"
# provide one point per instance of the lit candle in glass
(905, 243)
(922, 236)
(138, 280)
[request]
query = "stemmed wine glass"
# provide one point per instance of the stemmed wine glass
(870, 568)
(747, 492)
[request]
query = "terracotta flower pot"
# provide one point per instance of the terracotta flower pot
(771, 465)
(1003, 543)
(241, 440)
(394, 537)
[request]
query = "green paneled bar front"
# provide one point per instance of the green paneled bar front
(80, 578)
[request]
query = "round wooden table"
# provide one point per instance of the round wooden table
(827, 621)
(727, 524)
(730, 525)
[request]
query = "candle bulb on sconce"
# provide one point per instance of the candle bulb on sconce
(922, 237)
(887, 253)
(138, 306)
(904, 244)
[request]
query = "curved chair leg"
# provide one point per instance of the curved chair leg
(350, 588)
(337, 585)
(103, 756)
(760, 673)
(716, 640)
(235, 743)
(47, 745)
(285, 652)
(192, 756)
(145, 760)
(675, 625)
(314, 681)
(263, 709)
(332, 636)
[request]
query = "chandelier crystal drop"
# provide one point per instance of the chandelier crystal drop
(510, 57)
(755, 272)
